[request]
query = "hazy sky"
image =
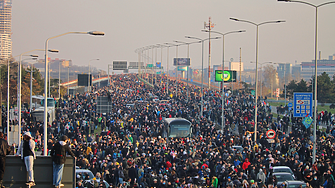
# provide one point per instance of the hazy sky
(131, 24)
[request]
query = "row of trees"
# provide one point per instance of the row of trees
(325, 88)
(38, 83)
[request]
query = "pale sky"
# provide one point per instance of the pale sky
(131, 24)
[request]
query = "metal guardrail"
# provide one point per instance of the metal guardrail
(16, 175)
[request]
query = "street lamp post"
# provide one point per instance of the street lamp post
(19, 88)
(31, 86)
(167, 66)
(316, 63)
(68, 80)
(202, 68)
(8, 108)
(188, 56)
(257, 26)
(98, 33)
(222, 97)
(176, 45)
(89, 74)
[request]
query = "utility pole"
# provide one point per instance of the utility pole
(209, 26)
(240, 65)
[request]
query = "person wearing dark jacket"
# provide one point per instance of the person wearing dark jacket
(58, 155)
(4, 150)
(132, 174)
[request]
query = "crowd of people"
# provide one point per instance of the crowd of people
(128, 147)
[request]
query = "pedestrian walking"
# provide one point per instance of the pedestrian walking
(27, 152)
(58, 154)
(4, 150)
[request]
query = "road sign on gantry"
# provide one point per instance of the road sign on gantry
(119, 65)
(302, 104)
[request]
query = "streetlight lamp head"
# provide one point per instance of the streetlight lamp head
(204, 30)
(235, 19)
(279, 21)
(284, 0)
(53, 50)
(34, 56)
(242, 31)
(99, 33)
(216, 37)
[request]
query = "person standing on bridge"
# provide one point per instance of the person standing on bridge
(27, 152)
(4, 150)
(58, 154)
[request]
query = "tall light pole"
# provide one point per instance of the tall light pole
(316, 64)
(176, 45)
(210, 25)
(222, 97)
(8, 108)
(19, 88)
(257, 26)
(167, 67)
(202, 68)
(89, 73)
(31, 85)
(188, 56)
(19, 95)
(58, 82)
(68, 80)
(98, 33)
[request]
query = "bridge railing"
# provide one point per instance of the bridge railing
(16, 175)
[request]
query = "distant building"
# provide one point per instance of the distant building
(284, 70)
(5, 28)
(324, 65)
(296, 72)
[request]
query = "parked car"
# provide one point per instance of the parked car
(86, 175)
(283, 169)
(294, 184)
(282, 176)
(237, 149)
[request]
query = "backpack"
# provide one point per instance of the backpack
(121, 174)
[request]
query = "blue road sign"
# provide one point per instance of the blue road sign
(290, 105)
(191, 80)
(302, 104)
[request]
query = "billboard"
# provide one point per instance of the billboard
(229, 76)
(182, 61)
(119, 65)
(83, 79)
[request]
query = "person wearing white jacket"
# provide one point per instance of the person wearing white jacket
(27, 152)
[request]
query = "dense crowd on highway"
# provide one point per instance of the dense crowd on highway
(128, 146)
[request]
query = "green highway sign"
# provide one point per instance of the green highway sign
(253, 92)
(226, 76)
(150, 65)
(182, 68)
